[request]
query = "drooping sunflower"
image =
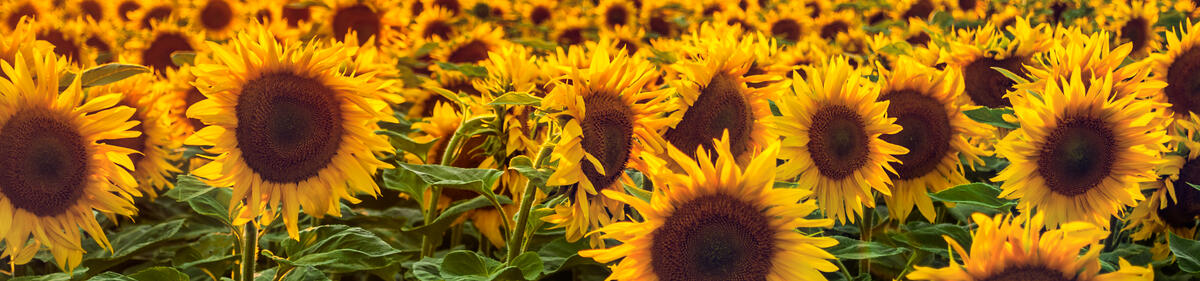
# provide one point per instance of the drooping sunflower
(714, 96)
(289, 130)
(1080, 153)
(1133, 22)
(717, 222)
(153, 164)
(975, 52)
(935, 131)
(1173, 206)
(1016, 248)
(832, 132)
(57, 175)
(1176, 67)
(610, 120)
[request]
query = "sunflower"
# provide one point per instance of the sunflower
(832, 132)
(1172, 207)
(660, 18)
(219, 18)
(100, 39)
(124, 9)
(12, 12)
(56, 170)
(573, 30)
(472, 47)
(787, 22)
(159, 139)
(718, 222)
(1015, 248)
(626, 37)
(976, 51)
(1092, 55)
(154, 13)
(1176, 67)
(615, 13)
(968, 10)
(67, 37)
(369, 18)
(1133, 22)
(538, 12)
(97, 10)
(20, 38)
(153, 47)
(288, 130)
(434, 25)
(737, 17)
(609, 121)
(935, 132)
(715, 97)
(915, 9)
(1080, 153)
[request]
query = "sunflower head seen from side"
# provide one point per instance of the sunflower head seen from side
(289, 130)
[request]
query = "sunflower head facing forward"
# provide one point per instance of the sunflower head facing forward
(290, 132)
(832, 130)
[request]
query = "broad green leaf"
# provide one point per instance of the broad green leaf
(516, 98)
(530, 264)
(854, 249)
(204, 199)
(210, 252)
(559, 255)
(102, 75)
(973, 193)
(992, 116)
(183, 58)
(464, 263)
(524, 165)
(159, 274)
(135, 238)
(929, 237)
(338, 249)
(477, 180)
(449, 215)
(406, 182)
(1187, 253)
(428, 269)
(407, 144)
(1139, 255)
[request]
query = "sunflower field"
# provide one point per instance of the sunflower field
(380, 140)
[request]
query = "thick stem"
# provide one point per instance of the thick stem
(249, 250)
(516, 239)
(430, 213)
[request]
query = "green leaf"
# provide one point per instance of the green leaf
(559, 255)
(470, 70)
(522, 164)
(292, 274)
(1197, 187)
(1139, 255)
(206, 200)
(406, 182)
(1187, 253)
(992, 116)
(107, 276)
(1011, 75)
(159, 274)
(102, 75)
(517, 98)
(973, 193)
(530, 264)
(404, 143)
(929, 237)
(181, 59)
(464, 263)
(338, 249)
(448, 216)
(477, 180)
(213, 252)
(897, 48)
(428, 269)
(854, 249)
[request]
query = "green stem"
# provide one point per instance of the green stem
(249, 250)
(430, 213)
(516, 239)
(845, 271)
(865, 229)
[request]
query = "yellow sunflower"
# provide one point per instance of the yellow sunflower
(1015, 248)
(21, 38)
(1080, 153)
(154, 162)
(787, 22)
(153, 47)
(615, 13)
(714, 96)
(67, 37)
(57, 173)
(155, 13)
(1092, 55)
(97, 10)
(1176, 67)
(220, 19)
(14, 11)
(369, 18)
(1172, 207)
(538, 12)
(832, 132)
(609, 121)
(472, 47)
(123, 10)
(289, 131)
(974, 53)
(434, 25)
(935, 131)
(1133, 22)
(717, 221)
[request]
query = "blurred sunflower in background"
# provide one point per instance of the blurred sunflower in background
(154, 164)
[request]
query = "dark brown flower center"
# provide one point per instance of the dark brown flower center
(607, 135)
(721, 106)
(360, 18)
(216, 15)
(616, 15)
(926, 132)
(1135, 31)
(125, 7)
(714, 237)
(571, 36)
(1058, 9)
(1183, 87)
(45, 162)
(438, 28)
(838, 141)
(472, 52)
(661, 26)
(1077, 155)
(787, 29)
(92, 9)
(967, 5)
(921, 38)
(831, 30)
(921, 9)
(155, 14)
(985, 85)
(450, 5)
(1028, 273)
(539, 15)
(25, 10)
(63, 46)
(295, 15)
(1182, 213)
(158, 54)
(630, 47)
(289, 127)
(97, 43)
